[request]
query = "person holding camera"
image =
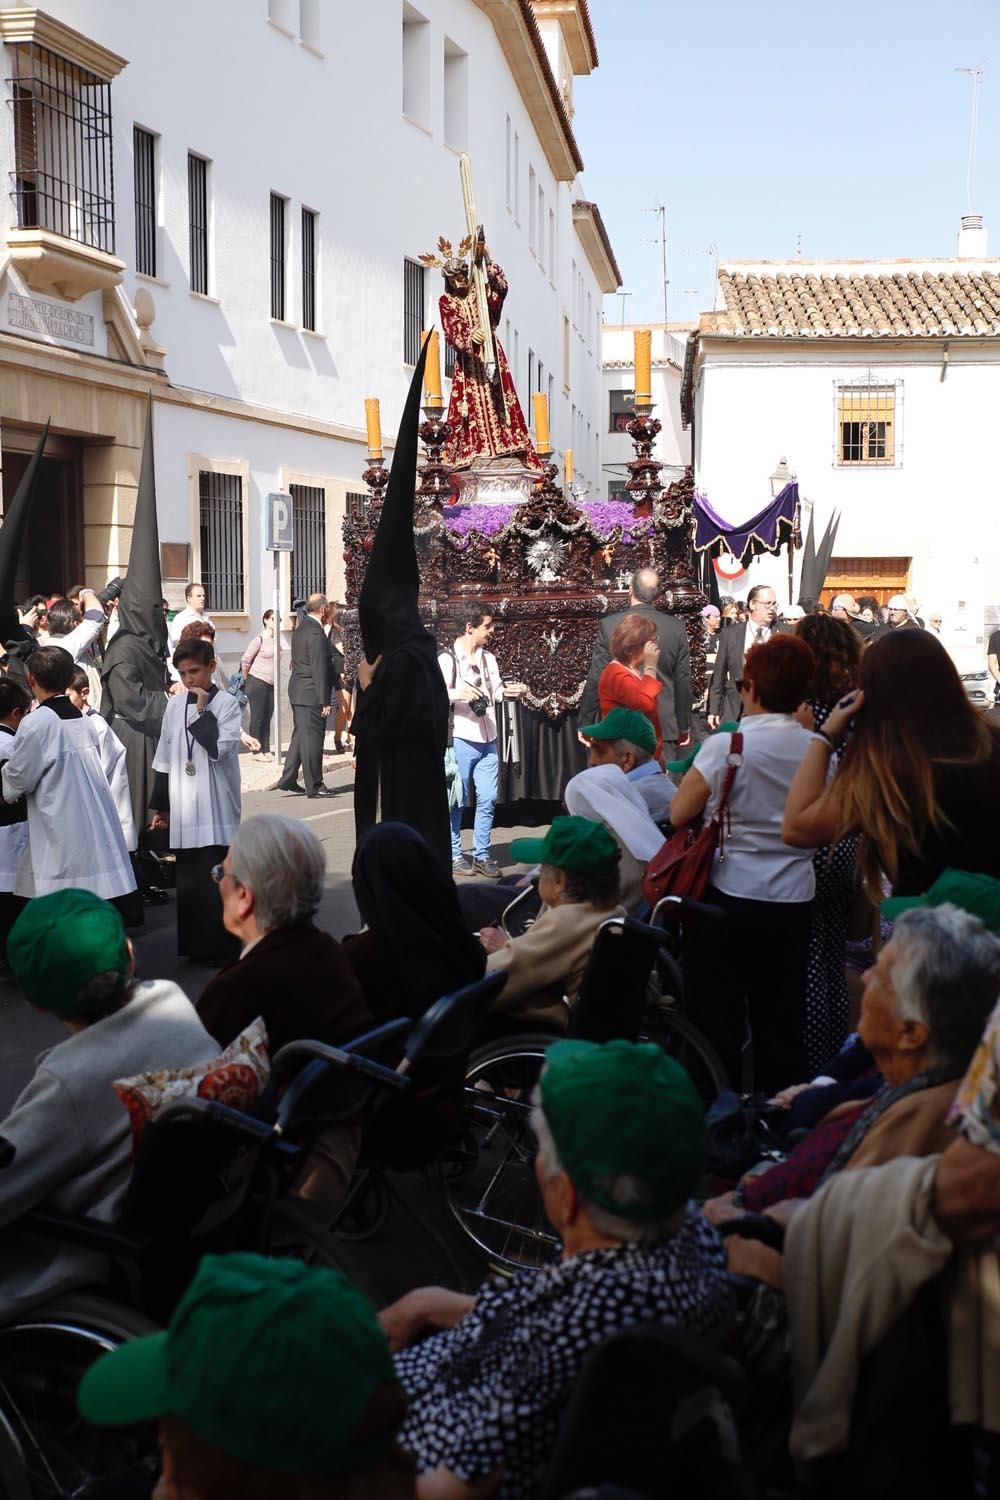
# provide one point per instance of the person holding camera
(475, 686)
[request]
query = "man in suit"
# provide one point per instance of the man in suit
(673, 668)
(310, 687)
(734, 642)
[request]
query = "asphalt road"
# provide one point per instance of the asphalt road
(418, 1243)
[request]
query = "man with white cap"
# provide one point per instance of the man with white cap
(846, 607)
(900, 616)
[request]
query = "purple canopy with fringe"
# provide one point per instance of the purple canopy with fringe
(768, 531)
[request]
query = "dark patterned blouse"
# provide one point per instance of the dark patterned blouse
(490, 1393)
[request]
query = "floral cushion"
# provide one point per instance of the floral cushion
(236, 1078)
(976, 1110)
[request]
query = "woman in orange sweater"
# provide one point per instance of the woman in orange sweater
(631, 679)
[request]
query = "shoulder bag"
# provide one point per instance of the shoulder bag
(683, 867)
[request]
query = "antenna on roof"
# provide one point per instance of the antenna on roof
(623, 295)
(976, 74)
(661, 240)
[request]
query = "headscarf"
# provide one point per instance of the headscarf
(409, 901)
(605, 794)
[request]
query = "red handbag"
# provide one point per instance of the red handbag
(683, 867)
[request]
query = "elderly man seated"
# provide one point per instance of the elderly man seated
(621, 1149)
(289, 971)
(924, 1006)
(578, 887)
(625, 738)
(73, 1141)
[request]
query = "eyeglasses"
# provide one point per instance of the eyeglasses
(219, 874)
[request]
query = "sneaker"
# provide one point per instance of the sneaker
(487, 867)
(461, 866)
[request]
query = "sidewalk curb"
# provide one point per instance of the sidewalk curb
(260, 775)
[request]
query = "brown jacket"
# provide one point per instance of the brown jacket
(548, 960)
(912, 1127)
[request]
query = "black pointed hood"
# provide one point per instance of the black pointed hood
(12, 535)
(140, 608)
(816, 561)
(387, 605)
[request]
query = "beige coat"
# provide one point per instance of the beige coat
(551, 955)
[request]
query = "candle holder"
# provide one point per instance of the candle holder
(644, 470)
(435, 480)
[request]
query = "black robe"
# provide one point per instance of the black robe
(133, 700)
(401, 733)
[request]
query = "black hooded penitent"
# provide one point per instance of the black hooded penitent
(401, 723)
(17, 637)
(134, 675)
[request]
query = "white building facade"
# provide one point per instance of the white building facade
(243, 243)
(878, 382)
(673, 446)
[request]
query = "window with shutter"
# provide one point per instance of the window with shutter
(866, 424)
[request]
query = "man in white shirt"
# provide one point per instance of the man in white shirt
(475, 686)
(194, 609)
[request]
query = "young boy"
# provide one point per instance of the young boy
(15, 702)
(196, 794)
(112, 755)
(74, 835)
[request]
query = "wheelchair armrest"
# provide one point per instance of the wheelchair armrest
(87, 1233)
(756, 1227)
(294, 1054)
(371, 1041)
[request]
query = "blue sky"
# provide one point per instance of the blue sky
(756, 124)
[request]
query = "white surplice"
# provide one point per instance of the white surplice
(205, 807)
(113, 761)
(13, 836)
(74, 834)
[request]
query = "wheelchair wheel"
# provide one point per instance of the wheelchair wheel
(43, 1357)
(491, 1184)
(681, 1040)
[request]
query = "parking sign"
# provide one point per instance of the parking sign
(280, 535)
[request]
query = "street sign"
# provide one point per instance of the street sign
(278, 527)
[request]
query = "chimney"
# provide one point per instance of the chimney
(971, 238)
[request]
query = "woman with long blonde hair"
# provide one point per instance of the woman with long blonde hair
(919, 779)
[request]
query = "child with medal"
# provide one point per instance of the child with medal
(196, 796)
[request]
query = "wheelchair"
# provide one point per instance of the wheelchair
(633, 988)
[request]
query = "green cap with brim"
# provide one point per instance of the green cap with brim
(61, 942)
(625, 1109)
(678, 767)
(979, 895)
(572, 843)
(271, 1361)
(623, 724)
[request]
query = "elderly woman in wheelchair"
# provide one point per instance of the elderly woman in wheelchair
(621, 1148)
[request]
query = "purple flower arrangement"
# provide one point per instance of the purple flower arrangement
(603, 516)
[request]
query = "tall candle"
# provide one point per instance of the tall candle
(569, 465)
(643, 366)
(541, 406)
(432, 370)
(374, 425)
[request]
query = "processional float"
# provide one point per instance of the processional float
(495, 529)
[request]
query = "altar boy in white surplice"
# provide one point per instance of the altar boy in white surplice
(15, 702)
(74, 835)
(196, 795)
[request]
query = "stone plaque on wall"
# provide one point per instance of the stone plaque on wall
(64, 323)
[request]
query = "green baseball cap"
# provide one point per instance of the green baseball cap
(979, 895)
(61, 942)
(623, 724)
(572, 843)
(271, 1361)
(678, 767)
(625, 1109)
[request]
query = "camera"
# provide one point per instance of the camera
(111, 591)
(480, 706)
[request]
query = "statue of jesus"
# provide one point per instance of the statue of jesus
(488, 429)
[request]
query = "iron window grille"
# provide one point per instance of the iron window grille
(413, 310)
(144, 162)
(277, 257)
(198, 223)
(354, 504)
(449, 359)
(308, 272)
(621, 410)
(867, 423)
(308, 570)
(63, 176)
(220, 498)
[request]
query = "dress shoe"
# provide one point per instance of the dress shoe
(462, 866)
(322, 791)
(296, 790)
(487, 867)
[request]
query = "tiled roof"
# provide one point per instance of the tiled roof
(559, 103)
(870, 300)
